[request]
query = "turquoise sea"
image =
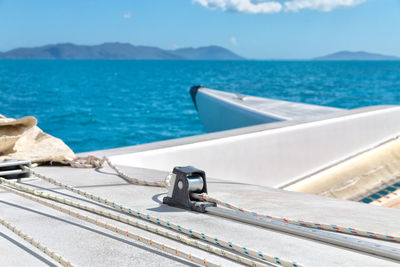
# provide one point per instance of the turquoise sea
(97, 104)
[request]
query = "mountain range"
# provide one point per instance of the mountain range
(129, 51)
(360, 55)
(118, 51)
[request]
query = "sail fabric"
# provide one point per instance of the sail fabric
(23, 139)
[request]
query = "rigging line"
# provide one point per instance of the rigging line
(95, 162)
(187, 241)
(36, 244)
(316, 225)
(331, 227)
(112, 228)
(213, 240)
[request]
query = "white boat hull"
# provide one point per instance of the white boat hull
(220, 110)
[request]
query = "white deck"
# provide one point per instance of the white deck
(85, 245)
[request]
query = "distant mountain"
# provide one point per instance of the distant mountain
(208, 52)
(117, 51)
(348, 55)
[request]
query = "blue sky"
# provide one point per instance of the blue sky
(268, 29)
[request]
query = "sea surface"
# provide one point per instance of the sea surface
(96, 104)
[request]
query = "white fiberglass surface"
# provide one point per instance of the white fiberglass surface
(275, 157)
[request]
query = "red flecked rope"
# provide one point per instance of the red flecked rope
(36, 244)
(95, 162)
(110, 227)
(133, 212)
(321, 226)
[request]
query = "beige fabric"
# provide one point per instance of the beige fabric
(22, 139)
(357, 177)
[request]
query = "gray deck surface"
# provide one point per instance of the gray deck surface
(86, 245)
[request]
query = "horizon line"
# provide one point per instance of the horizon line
(395, 57)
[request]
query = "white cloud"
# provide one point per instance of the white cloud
(245, 6)
(233, 41)
(323, 5)
(276, 6)
(127, 15)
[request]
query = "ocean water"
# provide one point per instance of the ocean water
(97, 104)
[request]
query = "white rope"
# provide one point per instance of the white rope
(316, 225)
(36, 244)
(135, 180)
(187, 241)
(95, 162)
(112, 228)
(213, 240)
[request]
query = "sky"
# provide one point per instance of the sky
(256, 29)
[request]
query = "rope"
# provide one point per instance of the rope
(133, 180)
(36, 244)
(86, 162)
(95, 162)
(173, 226)
(316, 225)
(112, 228)
(187, 241)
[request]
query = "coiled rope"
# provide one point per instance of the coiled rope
(213, 240)
(187, 241)
(36, 244)
(316, 225)
(112, 228)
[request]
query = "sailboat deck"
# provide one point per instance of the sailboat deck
(84, 244)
